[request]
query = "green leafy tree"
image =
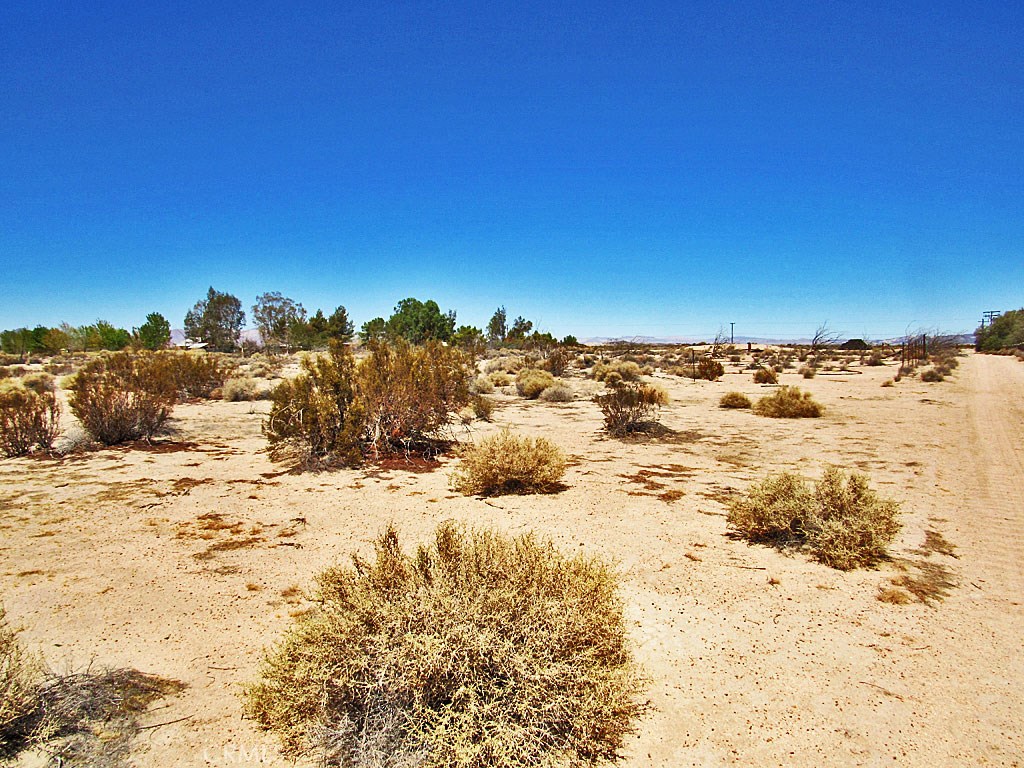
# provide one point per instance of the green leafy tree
(339, 326)
(274, 316)
(497, 328)
(17, 342)
(570, 341)
(301, 334)
(471, 339)
(56, 340)
(418, 321)
(1003, 332)
(112, 338)
(519, 330)
(155, 333)
(373, 330)
(217, 320)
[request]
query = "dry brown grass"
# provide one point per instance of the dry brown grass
(479, 650)
(616, 371)
(766, 376)
(506, 463)
(842, 522)
(87, 719)
(788, 403)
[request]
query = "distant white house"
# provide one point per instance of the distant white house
(190, 344)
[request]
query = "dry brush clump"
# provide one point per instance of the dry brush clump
(841, 521)
(616, 371)
(630, 406)
(506, 463)
(29, 420)
(86, 718)
(766, 376)
(531, 382)
(788, 403)
(734, 400)
(480, 650)
(122, 397)
(195, 375)
(398, 400)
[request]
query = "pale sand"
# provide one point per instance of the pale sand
(97, 564)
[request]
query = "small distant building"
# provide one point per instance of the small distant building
(191, 344)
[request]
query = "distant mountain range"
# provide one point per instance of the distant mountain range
(962, 338)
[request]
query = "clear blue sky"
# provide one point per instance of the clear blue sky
(601, 168)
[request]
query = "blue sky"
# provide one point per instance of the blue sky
(656, 168)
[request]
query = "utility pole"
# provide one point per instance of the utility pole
(732, 334)
(990, 316)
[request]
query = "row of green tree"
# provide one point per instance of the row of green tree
(155, 333)
(283, 325)
(1003, 332)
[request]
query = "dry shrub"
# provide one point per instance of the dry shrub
(788, 403)
(558, 393)
(932, 375)
(766, 376)
(481, 650)
(504, 364)
(629, 406)
(481, 385)
(557, 363)
(39, 382)
(888, 383)
(195, 374)
(616, 371)
(709, 369)
(807, 371)
(313, 420)
(407, 393)
(500, 379)
(482, 407)
(734, 400)
(122, 397)
(875, 358)
(530, 382)
(28, 420)
(506, 463)
(20, 676)
(842, 521)
(241, 388)
(399, 399)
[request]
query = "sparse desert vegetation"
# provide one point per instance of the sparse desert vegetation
(478, 650)
(508, 463)
(840, 520)
(788, 403)
(425, 433)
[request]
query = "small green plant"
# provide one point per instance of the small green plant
(734, 400)
(530, 382)
(842, 522)
(788, 403)
(506, 463)
(766, 376)
(480, 650)
(28, 420)
(629, 406)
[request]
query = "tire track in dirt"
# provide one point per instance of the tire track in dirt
(993, 459)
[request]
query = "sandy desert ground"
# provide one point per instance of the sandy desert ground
(757, 658)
